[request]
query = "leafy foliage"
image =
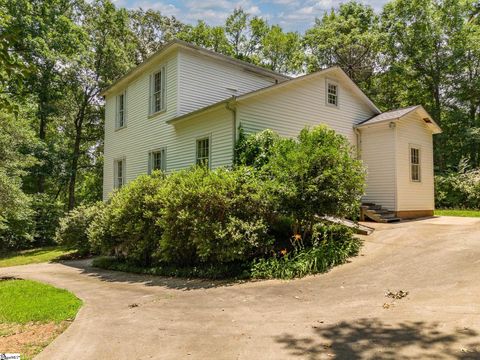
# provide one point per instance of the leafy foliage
(333, 245)
(458, 190)
(72, 230)
(127, 226)
(213, 216)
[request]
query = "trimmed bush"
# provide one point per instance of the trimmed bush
(127, 227)
(72, 230)
(213, 216)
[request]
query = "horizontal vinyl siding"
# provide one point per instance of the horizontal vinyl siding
(217, 125)
(142, 133)
(289, 109)
(411, 130)
(378, 156)
(205, 81)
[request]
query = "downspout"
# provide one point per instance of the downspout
(359, 141)
(393, 126)
(231, 106)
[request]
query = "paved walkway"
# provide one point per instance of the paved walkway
(343, 314)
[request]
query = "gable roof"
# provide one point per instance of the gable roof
(336, 69)
(397, 114)
(177, 44)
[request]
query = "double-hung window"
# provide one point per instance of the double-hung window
(332, 93)
(157, 91)
(121, 116)
(119, 173)
(157, 160)
(203, 152)
(415, 170)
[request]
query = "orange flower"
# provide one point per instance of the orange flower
(283, 252)
(297, 237)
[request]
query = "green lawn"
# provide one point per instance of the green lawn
(33, 256)
(24, 301)
(463, 213)
(32, 315)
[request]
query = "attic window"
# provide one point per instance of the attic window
(120, 117)
(332, 93)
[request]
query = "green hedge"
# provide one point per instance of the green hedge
(262, 214)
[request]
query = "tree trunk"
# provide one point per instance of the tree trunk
(74, 167)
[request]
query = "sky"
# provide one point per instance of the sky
(292, 15)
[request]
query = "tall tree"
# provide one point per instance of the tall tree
(109, 51)
(151, 30)
(348, 37)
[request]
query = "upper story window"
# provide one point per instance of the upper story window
(332, 93)
(157, 160)
(415, 170)
(203, 152)
(157, 91)
(121, 116)
(119, 173)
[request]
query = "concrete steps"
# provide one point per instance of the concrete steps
(377, 213)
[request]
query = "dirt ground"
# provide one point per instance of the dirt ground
(360, 310)
(28, 339)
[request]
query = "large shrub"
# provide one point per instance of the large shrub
(72, 230)
(256, 149)
(313, 175)
(458, 189)
(213, 216)
(127, 226)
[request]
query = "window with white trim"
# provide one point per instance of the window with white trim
(121, 111)
(119, 173)
(157, 91)
(415, 170)
(332, 93)
(203, 152)
(157, 160)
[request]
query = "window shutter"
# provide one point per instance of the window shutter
(125, 107)
(150, 163)
(116, 112)
(150, 93)
(164, 74)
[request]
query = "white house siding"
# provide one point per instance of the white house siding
(411, 130)
(378, 156)
(144, 133)
(217, 125)
(290, 108)
(204, 80)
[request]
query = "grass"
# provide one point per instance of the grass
(24, 301)
(457, 212)
(32, 315)
(33, 256)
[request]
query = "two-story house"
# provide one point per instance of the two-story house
(184, 106)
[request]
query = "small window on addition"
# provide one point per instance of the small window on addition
(332, 94)
(415, 164)
(203, 152)
(157, 160)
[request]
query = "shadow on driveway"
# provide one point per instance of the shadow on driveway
(374, 339)
(148, 280)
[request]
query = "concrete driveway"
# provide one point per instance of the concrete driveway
(343, 314)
